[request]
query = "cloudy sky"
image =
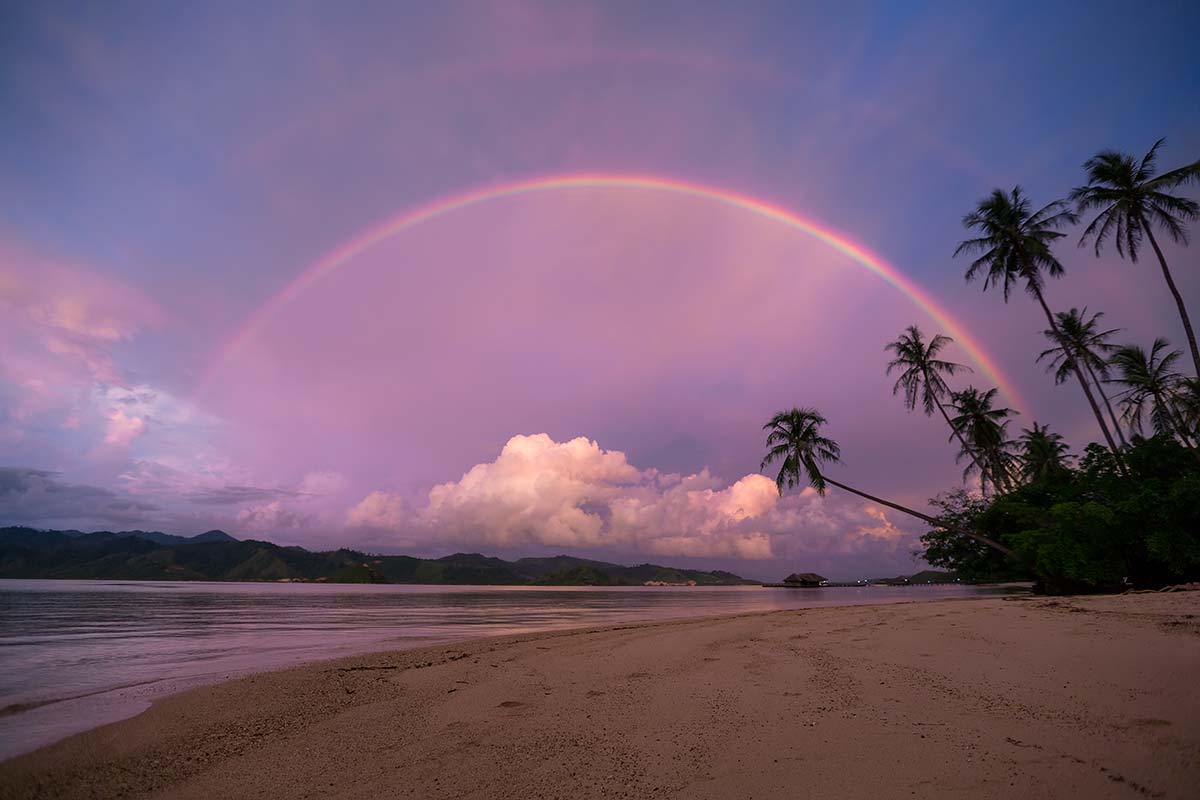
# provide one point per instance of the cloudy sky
(583, 368)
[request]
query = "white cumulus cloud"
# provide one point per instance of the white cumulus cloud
(379, 510)
(575, 494)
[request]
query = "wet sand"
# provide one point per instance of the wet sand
(1028, 697)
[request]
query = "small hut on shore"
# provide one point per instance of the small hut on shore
(803, 579)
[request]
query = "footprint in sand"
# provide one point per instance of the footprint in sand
(1149, 722)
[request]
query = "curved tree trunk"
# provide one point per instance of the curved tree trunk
(1111, 414)
(1082, 380)
(1177, 423)
(962, 441)
(1188, 441)
(934, 521)
(1183, 315)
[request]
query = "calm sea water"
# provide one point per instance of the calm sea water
(76, 654)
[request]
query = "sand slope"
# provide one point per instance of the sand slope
(1029, 698)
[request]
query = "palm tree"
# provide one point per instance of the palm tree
(796, 442)
(1043, 453)
(1015, 247)
(1133, 201)
(921, 375)
(986, 428)
(1153, 388)
(1081, 342)
(1189, 406)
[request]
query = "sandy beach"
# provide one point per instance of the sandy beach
(1030, 697)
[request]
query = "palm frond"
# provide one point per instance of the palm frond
(1134, 199)
(1176, 177)
(794, 439)
(1145, 170)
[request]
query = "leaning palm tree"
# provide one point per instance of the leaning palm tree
(1133, 201)
(1082, 343)
(795, 441)
(986, 429)
(921, 374)
(1188, 403)
(1014, 248)
(1043, 453)
(1152, 388)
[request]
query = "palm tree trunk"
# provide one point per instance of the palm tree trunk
(1002, 479)
(1082, 380)
(1178, 425)
(962, 441)
(1183, 315)
(1111, 414)
(934, 521)
(1179, 428)
(1188, 441)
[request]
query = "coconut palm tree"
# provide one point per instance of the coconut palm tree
(1152, 388)
(921, 374)
(986, 429)
(1014, 248)
(1083, 343)
(795, 441)
(1043, 453)
(1189, 406)
(1133, 201)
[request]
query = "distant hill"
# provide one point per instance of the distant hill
(161, 538)
(923, 577)
(217, 556)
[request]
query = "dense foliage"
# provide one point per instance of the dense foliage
(1085, 528)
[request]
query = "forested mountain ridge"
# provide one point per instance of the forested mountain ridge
(216, 556)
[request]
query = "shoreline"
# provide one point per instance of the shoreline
(640, 699)
(148, 692)
(62, 697)
(751, 583)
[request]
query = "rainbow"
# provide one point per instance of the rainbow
(346, 252)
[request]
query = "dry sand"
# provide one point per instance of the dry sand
(1028, 698)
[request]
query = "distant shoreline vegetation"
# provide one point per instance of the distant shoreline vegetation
(36, 554)
(216, 556)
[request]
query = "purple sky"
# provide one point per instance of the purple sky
(583, 370)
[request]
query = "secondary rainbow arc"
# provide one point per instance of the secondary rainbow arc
(346, 252)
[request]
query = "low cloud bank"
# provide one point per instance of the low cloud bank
(39, 497)
(575, 494)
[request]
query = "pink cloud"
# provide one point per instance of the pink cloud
(271, 517)
(123, 429)
(575, 494)
(536, 490)
(60, 323)
(379, 510)
(71, 299)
